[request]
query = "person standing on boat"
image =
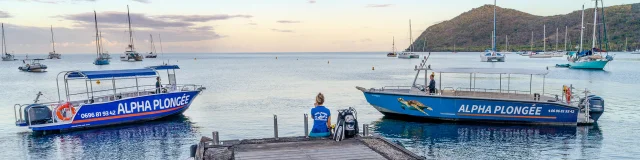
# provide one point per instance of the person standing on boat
(158, 85)
(432, 84)
(321, 118)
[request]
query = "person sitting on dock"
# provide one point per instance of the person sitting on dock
(321, 118)
(158, 85)
(432, 84)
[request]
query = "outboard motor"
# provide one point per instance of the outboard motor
(37, 114)
(596, 106)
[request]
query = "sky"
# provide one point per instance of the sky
(230, 26)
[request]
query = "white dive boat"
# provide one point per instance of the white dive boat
(595, 58)
(493, 55)
(130, 54)
(6, 56)
(409, 54)
(53, 55)
(152, 53)
(33, 66)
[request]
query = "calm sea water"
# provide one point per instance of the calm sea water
(245, 90)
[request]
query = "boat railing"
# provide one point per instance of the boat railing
(501, 92)
(396, 87)
(136, 90)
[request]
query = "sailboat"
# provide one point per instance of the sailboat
(493, 54)
(393, 49)
(130, 54)
(101, 59)
(595, 58)
(6, 56)
(557, 53)
(409, 54)
(53, 55)
(152, 53)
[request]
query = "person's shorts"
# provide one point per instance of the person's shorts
(323, 134)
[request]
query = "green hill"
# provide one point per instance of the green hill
(471, 31)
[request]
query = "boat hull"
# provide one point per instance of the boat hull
(598, 65)
(101, 62)
(473, 109)
(30, 69)
(127, 110)
(492, 58)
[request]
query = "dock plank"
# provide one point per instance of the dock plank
(349, 149)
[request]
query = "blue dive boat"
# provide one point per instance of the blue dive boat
(100, 107)
(499, 105)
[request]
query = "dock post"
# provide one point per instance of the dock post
(275, 126)
(365, 130)
(216, 138)
(306, 125)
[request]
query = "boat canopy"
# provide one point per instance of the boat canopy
(491, 71)
(164, 67)
(111, 74)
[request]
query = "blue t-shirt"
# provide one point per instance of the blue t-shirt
(320, 116)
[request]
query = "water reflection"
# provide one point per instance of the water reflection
(475, 141)
(162, 139)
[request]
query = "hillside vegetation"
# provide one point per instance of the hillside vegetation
(471, 31)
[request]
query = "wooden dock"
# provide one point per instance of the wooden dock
(370, 148)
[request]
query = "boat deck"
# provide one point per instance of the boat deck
(303, 148)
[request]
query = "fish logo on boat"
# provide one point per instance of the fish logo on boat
(413, 104)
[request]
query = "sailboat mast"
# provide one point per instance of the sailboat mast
(130, 32)
(544, 38)
(410, 38)
(556, 39)
(531, 41)
(95, 16)
(581, 29)
(101, 49)
(565, 37)
(494, 26)
(160, 38)
(604, 28)
(53, 42)
(595, 20)
(151, 41)
(3, 49)
(4, 43)
(506, 44)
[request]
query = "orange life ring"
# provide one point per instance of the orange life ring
(61, 108)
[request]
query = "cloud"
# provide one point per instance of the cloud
(312, 1)
(287, 21)
(202, 18)
(4, 14)
(379, 5)
(119, 19)
(282, 30)
(253, 24)
(143, 1)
